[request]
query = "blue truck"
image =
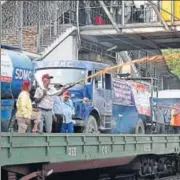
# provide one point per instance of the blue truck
(115, 105)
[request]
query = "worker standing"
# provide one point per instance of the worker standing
(175, 118)
(45, 103)
(57, 111)
(24, 107)
(68, 112)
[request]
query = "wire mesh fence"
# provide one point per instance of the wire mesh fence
(31, 24)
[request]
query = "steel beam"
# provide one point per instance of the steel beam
(109, 16)
(141, 42)
(168, 40)
(134, 42)
(159, 15)
(133, 29)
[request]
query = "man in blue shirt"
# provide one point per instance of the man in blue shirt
(68, 111)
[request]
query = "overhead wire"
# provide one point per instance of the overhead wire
(154, 58)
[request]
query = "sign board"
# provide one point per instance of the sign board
(141, 97)
(6, 67)
(122, 92)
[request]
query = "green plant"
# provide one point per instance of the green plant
(173, 62)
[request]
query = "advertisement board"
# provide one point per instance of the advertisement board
(141, 94)
(6, 67)
(122, 93)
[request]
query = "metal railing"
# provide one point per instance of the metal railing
(97, 16)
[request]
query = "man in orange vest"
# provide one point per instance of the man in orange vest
(175, 118)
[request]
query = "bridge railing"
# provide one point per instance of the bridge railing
(97, 16)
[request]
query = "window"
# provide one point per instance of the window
(63, 75)
(98, 81)
(89, 74)
(108, 81)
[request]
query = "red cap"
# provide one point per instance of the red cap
(25, 84)
(47, 76)
(66, 94)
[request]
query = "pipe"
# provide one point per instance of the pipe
(109, 69)
(31, 175)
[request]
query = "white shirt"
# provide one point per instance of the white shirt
(47, 101)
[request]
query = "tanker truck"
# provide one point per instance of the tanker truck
(15, 68)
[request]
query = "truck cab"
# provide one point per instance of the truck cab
(97, 90)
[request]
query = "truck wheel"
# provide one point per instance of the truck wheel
(140, 129)
(91, 125)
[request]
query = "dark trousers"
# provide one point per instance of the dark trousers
(57, 124)
(176, 129)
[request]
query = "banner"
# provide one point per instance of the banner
(142, 96)
(6, 67)
(122, 93)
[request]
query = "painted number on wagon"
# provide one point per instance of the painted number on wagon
(72, 151)
(104, 150)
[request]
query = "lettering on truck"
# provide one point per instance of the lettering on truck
(59, 63)
(23, 74)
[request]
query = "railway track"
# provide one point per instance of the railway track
(168, 178)
(133, 177)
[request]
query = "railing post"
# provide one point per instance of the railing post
(172, 12)
(122, 13)
(38, 28)
(0, 83)
(20, 30)
(55, 18)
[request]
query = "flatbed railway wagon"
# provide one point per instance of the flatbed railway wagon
(24, 156)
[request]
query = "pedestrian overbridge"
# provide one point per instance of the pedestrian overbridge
(136, 36)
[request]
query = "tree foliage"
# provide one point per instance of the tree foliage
(173, 62)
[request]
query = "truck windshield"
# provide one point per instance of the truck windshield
(63, 76)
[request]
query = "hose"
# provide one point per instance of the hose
(154, 58)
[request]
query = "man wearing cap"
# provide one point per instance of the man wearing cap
(24, 107)
(68, 111)
(45, 103)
